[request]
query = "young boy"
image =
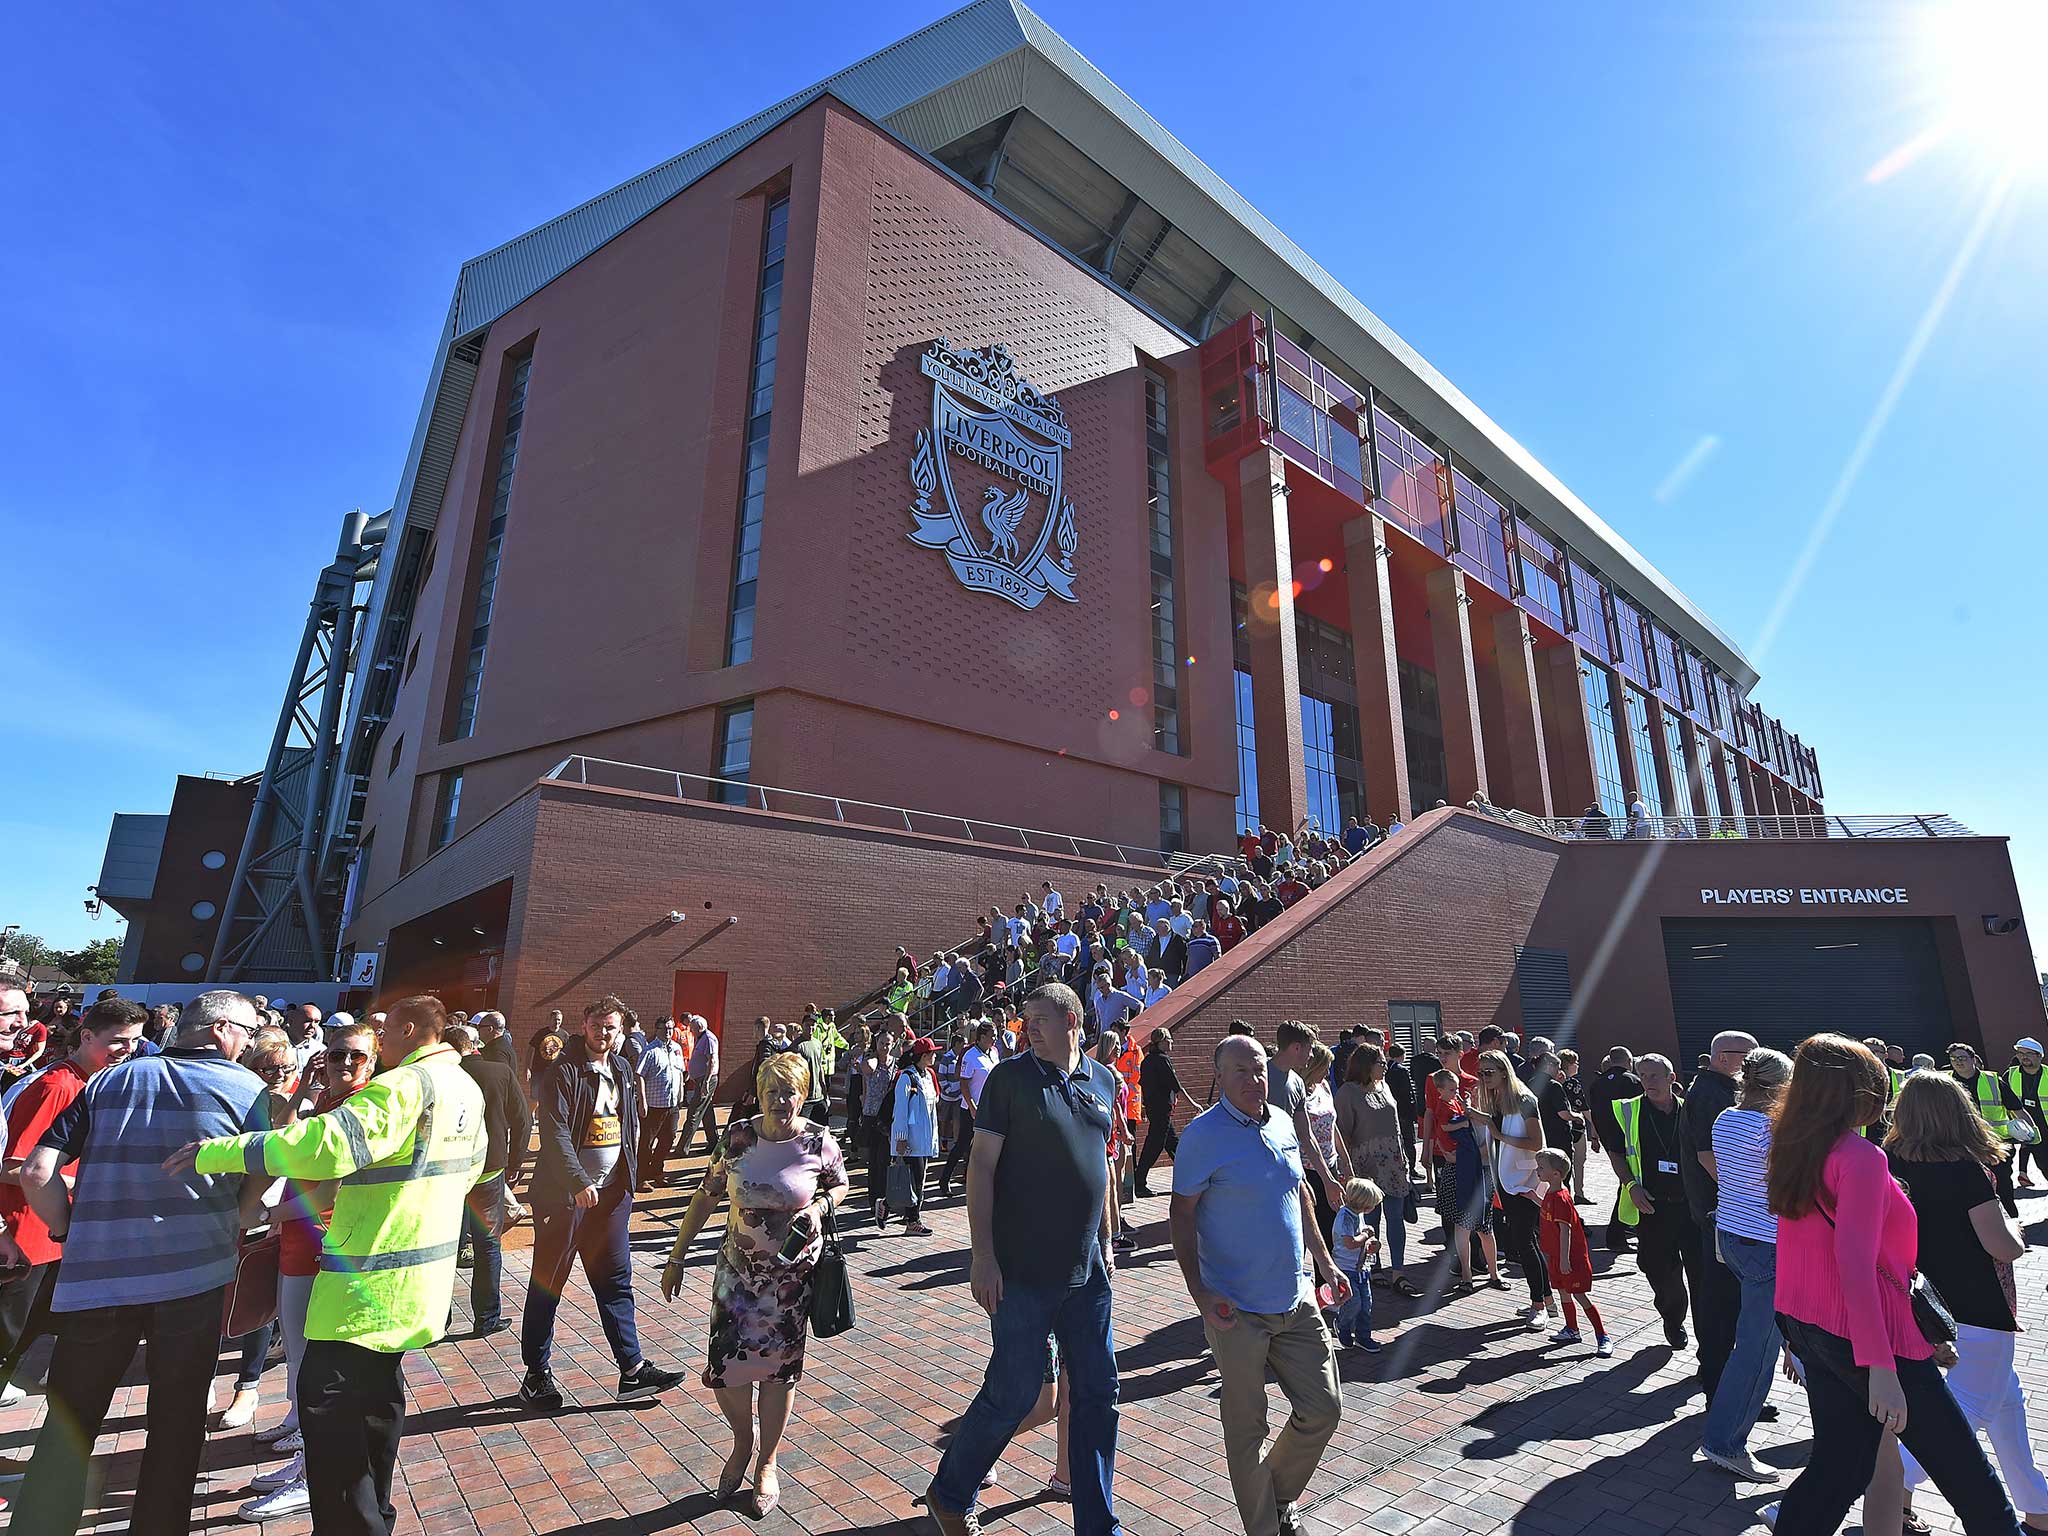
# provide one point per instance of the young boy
(1355, 1247)
(1563, 1240)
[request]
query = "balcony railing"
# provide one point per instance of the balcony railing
(606, 774)
(1735, 828)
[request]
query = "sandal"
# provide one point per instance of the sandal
(1407, 1287)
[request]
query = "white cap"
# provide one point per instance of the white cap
(2029, 1044)
(340, 1021)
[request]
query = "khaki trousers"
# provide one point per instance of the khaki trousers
(1296, 1345)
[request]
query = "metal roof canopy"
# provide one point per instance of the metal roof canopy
(957, 76)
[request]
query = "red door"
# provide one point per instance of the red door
(702, 992)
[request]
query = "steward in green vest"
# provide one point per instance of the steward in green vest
(2027, 1089)
(404, 1151)
(1875, 1131)
(1987, 1092)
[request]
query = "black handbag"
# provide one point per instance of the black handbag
(831, 1289)
(1931, 1315)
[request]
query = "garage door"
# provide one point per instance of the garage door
(1782, 981)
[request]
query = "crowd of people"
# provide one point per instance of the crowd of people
(1842, 1215)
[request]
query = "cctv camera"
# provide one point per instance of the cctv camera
(678, 917)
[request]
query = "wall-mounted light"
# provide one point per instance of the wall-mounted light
(678, 917)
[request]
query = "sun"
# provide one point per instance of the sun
(1987, 63)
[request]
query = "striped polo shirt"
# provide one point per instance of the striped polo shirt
(1742, 1144)
(138, 1236)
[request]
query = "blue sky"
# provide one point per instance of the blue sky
(1645, 239)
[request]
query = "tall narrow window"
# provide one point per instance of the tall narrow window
(494, 543)
(1247, 756)
(1422, 731)
(1710, 785)
(1173, 818)
(746, 562)
(1643, 746)
(1738, 799)
(1165, 621)
(735, 753)
(1681, 769)
(447, 806)
(1606, 744)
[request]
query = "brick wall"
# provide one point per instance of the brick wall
(821, 906)
(1433, 915)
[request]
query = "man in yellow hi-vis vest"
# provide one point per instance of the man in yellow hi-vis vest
(1988, 1094)
(2027, 1083)
(1653, 1193)
(404, 1151)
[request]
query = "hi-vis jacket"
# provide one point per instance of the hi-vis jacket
(404, 1150)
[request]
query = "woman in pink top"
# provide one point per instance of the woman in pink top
(1848, 1240)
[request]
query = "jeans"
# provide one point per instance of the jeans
(917, 1166)
(598, 1238)
(1354, 1318)
(1846, 1438)
(1078, 1319)
(1395, 1235)
(1987, 1389)
(255, 1348)
(1746, 1379)
(1295, 1347)
(94, 1349)
(483, 1223)
(352, 1415)
(294, 1300)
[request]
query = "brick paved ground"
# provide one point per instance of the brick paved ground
(1465, 1425)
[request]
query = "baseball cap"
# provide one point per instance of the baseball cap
(2028, 1044)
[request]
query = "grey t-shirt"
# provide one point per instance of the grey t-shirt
(1284, 1089)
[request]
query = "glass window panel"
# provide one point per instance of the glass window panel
(1606, 748)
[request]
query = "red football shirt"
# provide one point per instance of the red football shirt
(40, 1103)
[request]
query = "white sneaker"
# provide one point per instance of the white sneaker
(1603, 1346)
(1742, 1464)
(1565, 1336)
(1536, 1322)
(280, 1504)
(293, 1471)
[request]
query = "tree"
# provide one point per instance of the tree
(95, 963)
(27, 949)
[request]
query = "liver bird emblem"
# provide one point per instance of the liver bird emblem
(1000, 516)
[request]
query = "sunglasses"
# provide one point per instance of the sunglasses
(276, 1071)
(343, 1054)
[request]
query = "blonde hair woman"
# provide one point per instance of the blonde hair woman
(1508, 1111)
(783, 1177)
(1943, 1154)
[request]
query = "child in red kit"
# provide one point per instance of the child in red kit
(1563, 1240)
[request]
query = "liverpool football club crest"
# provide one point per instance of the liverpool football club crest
(992, 458)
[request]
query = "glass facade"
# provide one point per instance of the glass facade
(1738, 801)
(1247, 756)
(1166, 662)
(494, 543)
(1422, 723)
(1606, 745)
(746, 568)
(1644, 749)
(735, 753)
(1710, 783)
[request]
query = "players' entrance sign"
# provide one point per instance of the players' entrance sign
(993, 456)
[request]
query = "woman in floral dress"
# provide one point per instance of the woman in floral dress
(781, 1174)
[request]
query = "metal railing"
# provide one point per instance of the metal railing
(607, 774)
(1738, 828)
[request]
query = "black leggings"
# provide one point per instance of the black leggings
(2037, 1153)
(1522, 1218)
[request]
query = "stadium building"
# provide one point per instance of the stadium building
(941, 483)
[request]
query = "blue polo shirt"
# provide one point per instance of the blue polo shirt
(1248, 1223)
